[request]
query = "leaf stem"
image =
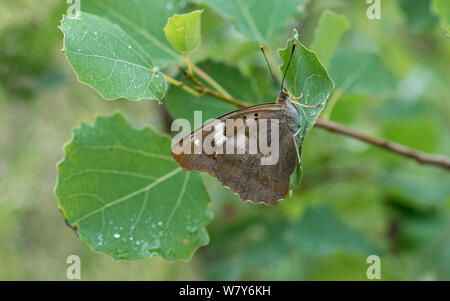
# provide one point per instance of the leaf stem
(182, 86)
(231, 100)
(191, 77)
(189, 65)
(202, 90)
(210, 81)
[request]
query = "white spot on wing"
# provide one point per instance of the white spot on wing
(219, 140)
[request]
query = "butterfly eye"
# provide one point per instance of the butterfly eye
(265, 181)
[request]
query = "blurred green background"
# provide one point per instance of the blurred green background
(355, 200)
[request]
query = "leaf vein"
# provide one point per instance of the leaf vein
(177, 204)
(111, 59)
(130, 195)
(110, 171)
(130, 150)
(141, 31)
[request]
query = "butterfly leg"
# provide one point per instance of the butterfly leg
(306, 106)
(296, 146)
(294, 100)
(297, 98)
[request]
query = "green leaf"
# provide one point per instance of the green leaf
(360, 72)
(442, 9)
(143, 21)
(221, 42)
(113, 63)
(306, 76)
(121, 191)
(183, 31)
(328, 34)
(418, 14)
(319, 231)
(261, 20)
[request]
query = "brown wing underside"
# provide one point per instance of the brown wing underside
(243, 173)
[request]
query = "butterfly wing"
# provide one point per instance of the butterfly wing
(243, 173)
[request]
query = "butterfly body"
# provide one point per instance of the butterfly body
(242, 171)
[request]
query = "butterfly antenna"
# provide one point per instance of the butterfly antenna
(287, 67)
(268, 65)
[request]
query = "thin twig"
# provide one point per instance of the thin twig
(238, 103)
(202, 89)
(205, 76)
(191, 77)
(182, 86)
(189, 65)
(437, 160)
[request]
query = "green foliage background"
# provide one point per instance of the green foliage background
(354, 201)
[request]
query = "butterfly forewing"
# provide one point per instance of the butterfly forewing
(228, 149)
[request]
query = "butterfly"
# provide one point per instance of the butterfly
(244, 172)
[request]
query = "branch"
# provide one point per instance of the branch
(423, 158)
(231, 100)
(210, 81)
(182, 86)
(202, 89)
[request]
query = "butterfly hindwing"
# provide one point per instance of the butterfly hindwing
(208, 149)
